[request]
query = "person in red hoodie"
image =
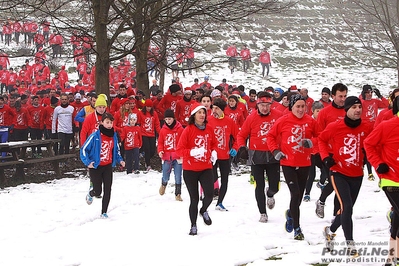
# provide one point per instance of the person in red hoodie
(232, 53)
(36, 124)
(167, 142)
(197, 146)
(22, 117)
(382, 146)
(150, 125)
(264, 59)
(345, 138)
(234, 112)
(255, 129)
(131, 137)
(245, 57)
(170, 100)
(371, 108)
(332, 113)
(183, 107)
(225, 131)
(291, 139)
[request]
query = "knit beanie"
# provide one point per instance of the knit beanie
(219, 102)
(294, 98)
(174, 88)
(349, 101)
(169, 113)
(101, 100)
(53, 100)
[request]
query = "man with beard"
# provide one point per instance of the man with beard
(63, 123)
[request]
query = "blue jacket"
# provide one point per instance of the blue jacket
(90, 152)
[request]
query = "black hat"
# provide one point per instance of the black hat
(294, 98)
(349, 101)
(326, 90)
(53, 100)
(367, 88)
(174, 88)
(219, 102)
(169, 113)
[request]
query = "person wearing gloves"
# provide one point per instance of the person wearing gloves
(370, 112)
(344, 139)
(225, 131)
(100, 153)
(197, 146)
(167, 142)
(256, 128)
(382, 146)
(291, 139)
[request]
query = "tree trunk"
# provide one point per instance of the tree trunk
(100, 10)
(141, 68)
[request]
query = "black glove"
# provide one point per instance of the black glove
(382, 168)
(278, 155)
(328, 161)
(306, 143)
(243, 152)
(378, 93)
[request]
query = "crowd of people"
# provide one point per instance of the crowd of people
(201, 131)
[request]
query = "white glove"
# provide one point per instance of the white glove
(197, 152)
(214, 157)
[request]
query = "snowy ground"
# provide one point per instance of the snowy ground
(51, 224)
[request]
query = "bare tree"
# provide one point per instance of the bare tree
(375, 24)
(123, 27)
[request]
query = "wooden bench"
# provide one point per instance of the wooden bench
(19, 160)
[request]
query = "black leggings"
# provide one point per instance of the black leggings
(296, 178)
(205, 178)
(393, 197)
(316, 161)
(346, 189)
(148, 148)
(102, 175)
(273, 175)
(327, 190)
(224, 167)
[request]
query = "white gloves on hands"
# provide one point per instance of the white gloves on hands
(214, 157)
(197, 152)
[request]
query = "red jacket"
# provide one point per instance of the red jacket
(168, 101)
(256, 127)
(7, 115)
(328, 115)
(236, 115)
(193, 137)
(385, 114)
(347, 146)
(264, 57)
(182, 111)
(149, 124)
(131, 135)
(370, 108)
(21, 119)
(168, 140)
(231, 51)
(292, 131)
(225, 131)
(48, 116)
(90, 124)
(382, 146)
(36, 115)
